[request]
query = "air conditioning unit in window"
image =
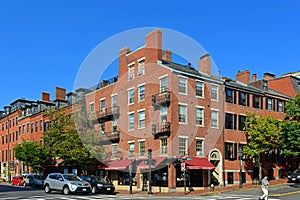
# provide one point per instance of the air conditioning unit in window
(140, 72)
(130, 76)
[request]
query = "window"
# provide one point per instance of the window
(199, 147)
(131, 72)
(13, 137)
(242, 98)
(114, 150)
(199, 116)
(214, 92)
(131, 121)
(36, 126)
(241, 148)
(183, 146)
(114, 100)
(141, 119)
(92, 108)
(269, 104)
(131, 150)
(32, 127)
(28, 127)
(131, 96)
(2, 139)
(229, 95)
(230, 151)
(163, 84)
(214, 119)
(41, 125)
(182, 85)
(102, 127)
(256, 101)
(141, 68)
(279, 106)
(199, 89)
(17, 136)
(163, 114)
(23, 128)
(46, 126)
(230, 120)
(102, 105)
(163, 146)
(114, 125)
(242, 120)
(141, 93)
(142, 148)
(182, 114)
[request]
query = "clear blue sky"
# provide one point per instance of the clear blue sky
(43, 43)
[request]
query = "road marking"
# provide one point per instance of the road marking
(283, 194)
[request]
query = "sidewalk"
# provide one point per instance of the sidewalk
(206, 191)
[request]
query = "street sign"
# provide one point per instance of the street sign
(182, 166)
(150, 162)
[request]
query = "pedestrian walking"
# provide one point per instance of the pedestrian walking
(265, 188)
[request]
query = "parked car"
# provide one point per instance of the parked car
(17, 180)
(98, 184)
(294, 177)
(33, 180)
(67, 183)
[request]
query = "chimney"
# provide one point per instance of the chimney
(45, 96)
(204, 64)
(60, 94)
(154, 46)
(123, 61)
(167, 55)
(243, 76)
(268, 76)
(254, 78)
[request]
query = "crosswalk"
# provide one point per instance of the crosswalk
(108, 197)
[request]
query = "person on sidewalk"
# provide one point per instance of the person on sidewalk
(264, 187)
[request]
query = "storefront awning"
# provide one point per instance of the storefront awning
(198, 163)
(156, 161)
(117, 164)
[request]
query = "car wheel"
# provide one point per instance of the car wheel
(47, 188)
(94, 190)
(66, 190)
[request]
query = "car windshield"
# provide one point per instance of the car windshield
(99, 179)
(71, 177)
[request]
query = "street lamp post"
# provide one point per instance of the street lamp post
(240, 154)
(150, 162)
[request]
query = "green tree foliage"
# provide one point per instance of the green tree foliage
(33, 154)
(290, 135)
(64, 142)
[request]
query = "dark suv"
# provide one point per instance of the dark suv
(98, 184)
(67, 183)
(294, 177)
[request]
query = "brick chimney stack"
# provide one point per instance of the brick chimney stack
(45, 96)
(154, 46)
(123, 61)
(254, 78)
(204, 64)
(60, 94)
(167, 55)
(243, 76)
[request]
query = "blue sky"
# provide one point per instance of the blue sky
(43, 43)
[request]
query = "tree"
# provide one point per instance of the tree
(290, 140)
(263, 135)
(33, 155)
(64, 142)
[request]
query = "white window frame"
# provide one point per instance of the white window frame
(129, 122)
(114, 96)
(140, 124)
(162, 114)
(92, 110)
(140, 142)
(141, 67)
(165, 88)
(185, 85)
(131, 71)
(102, 109)
(141, 94)
(186, 113)
(217, 92)
(163, 147)
(202, 95)
(185, 138)
(113, 154)
(129, 96)
(200, 153)
(213, 111)
(202, 108)
(129, 149)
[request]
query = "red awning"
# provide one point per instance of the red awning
(198, 163)
(117, 164)
(158, 160)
